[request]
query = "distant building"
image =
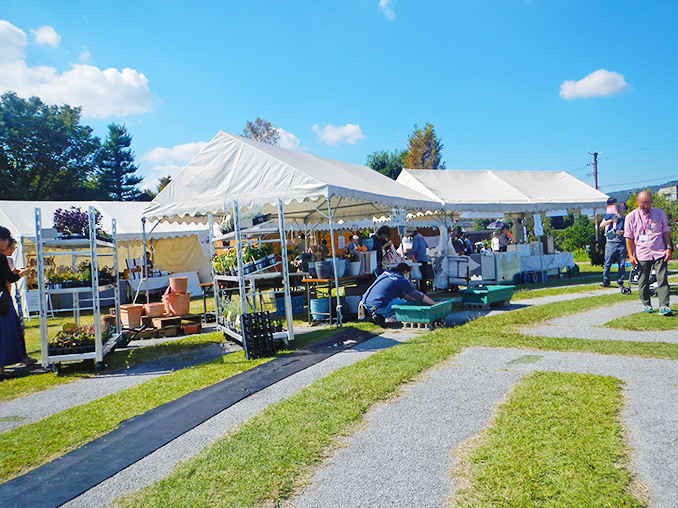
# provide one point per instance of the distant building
(670, 193)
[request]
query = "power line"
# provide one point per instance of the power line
(642, 149)
(641, 181)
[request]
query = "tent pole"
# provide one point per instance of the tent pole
(144, 274)
(215, 285)
(285, 274)
(238, 252)
(334, 265)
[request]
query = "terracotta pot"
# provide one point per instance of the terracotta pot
(178, 284)
(177, 304)
(154, 309)
(130, 315)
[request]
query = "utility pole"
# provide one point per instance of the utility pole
(595, 185)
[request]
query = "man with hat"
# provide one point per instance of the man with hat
(353, 244)
(615, 244)
(418, 255)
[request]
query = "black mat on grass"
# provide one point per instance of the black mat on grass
(69, 476)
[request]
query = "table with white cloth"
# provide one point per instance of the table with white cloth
(159, 284)
(551, 263)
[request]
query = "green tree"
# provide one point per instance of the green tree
(580, 235)
(424, 150)
(117, 179)
(262, 131)
(163, 182)
(389, 164)
(45, 153)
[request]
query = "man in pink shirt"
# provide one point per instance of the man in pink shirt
(648, 242)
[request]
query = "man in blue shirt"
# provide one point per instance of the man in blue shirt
(418, 255)
(615, 244)
(391, 288)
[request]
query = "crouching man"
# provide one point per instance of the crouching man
(391, 288)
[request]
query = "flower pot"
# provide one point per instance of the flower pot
(320, 308)
(130, 315)
(271, 259)
(323, 269)
(178, 284)
(311, 269)
(154, 309)
(353, 269)
(340, 266)
(368, 243)
(248, 268)
(177, 304)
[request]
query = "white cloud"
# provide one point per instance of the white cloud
(46, 35)
(85, 56)
(600, 83)
(12, 43)
(101, 93)
(386, 6)
(169, 161)
(349, 133)
(289, 140)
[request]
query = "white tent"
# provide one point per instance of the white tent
(233, 173)
(231, 168)
(176, 247)
(494, 193)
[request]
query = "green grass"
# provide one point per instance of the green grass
(266, 456)
(646, 322)
(578, 459)
(57, 434)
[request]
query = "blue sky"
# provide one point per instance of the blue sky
(508, 84)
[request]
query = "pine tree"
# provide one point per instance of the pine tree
(424, 149)
(117, 170)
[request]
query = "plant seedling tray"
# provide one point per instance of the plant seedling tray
(415, 313)
(487, 295)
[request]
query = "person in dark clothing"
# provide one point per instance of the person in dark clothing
(12, 346)
(391, 288)
(615, 243)
(382, 242)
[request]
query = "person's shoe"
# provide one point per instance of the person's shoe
(391, 319)
(28, 361)
(378, 319)
(648, 309)
(665, 311)
(605, 285)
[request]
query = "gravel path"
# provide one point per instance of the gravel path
(160, 463)
(401, 459)
(31, 408)
(586, 325)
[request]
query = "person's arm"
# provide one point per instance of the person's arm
(605, 222)
(631, 250)
(669, 245)
(5, 272)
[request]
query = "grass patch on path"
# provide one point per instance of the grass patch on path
(55, 435)
(265, 457)
(646, 322)
(577, 460)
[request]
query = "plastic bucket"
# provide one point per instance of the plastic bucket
(177, 304)
(320, 308)
(352, 269)
(323, 269)
(130, 315)
(341, 267)
(154, 309)
(352, 304)
(178, 284)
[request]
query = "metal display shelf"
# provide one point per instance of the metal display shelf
(78, 247)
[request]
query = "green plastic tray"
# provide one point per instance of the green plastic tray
(487, 294)
(415, 313)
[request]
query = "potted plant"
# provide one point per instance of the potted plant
(74, 223)
(73, 339)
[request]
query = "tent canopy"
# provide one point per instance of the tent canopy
(497, 192)
(19, 218)
(231, 168)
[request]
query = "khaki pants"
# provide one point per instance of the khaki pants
(644, 269)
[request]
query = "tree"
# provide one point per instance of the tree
(424, 149)
(389, 164)
(44, 151)
(163, 182)
(116, 166)
(262, 131)
(580, 235)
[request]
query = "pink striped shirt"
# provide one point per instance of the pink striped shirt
(647, 232)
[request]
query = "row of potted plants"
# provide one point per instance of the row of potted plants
(74, 223)
(73, 339)
(78, 277)
(254, 259)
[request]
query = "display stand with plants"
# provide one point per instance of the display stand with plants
(250, 260)
(75, 342)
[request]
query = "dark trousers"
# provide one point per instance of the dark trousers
(644, 269)
(615, 252)
(424, 276)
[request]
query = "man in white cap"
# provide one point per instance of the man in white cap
(418, 255)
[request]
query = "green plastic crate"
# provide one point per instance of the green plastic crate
(487, 295)
(416, 313)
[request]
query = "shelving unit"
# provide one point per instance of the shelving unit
(247, 282)
(93, 249)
